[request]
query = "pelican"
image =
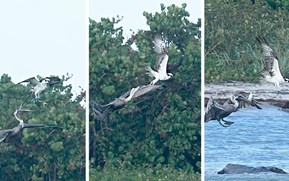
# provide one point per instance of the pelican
(40, 85)
(120, 102)
(5, 135)
(162, 61)
(248, 99)
(100, 112)
(271, 72)
(216, 111)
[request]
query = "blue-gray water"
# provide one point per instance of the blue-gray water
(257, 138)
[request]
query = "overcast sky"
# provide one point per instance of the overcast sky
(132, 11)
(43, 38)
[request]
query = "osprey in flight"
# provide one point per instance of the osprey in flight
(271, 72)
(40, 85)
(162, 61)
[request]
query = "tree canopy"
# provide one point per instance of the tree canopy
(43, 154)
(158, 129)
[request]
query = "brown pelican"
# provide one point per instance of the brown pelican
(5, 135)
(248, 99)
(120, 102)
(162, 61)
(216, 111)
(271, 72)
(100, 112)
(40, 85)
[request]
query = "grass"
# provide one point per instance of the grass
(111, 173)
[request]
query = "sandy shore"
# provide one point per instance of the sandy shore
(262, 92)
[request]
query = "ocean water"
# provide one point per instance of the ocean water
(257, 138)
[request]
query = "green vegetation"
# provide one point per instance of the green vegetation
(143, 173)
(43, 154)
(275, 4)
(231, 49)
(160, 133)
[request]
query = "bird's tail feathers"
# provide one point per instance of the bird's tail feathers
(150, 72)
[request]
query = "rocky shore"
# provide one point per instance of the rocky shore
(264, 93)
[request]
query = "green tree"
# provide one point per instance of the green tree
(158, 129)
(43, 154)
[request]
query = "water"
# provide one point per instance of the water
(257, 138)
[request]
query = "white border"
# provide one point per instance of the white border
(87, 91)
(202, 91)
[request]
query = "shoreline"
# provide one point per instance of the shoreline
(267, 93)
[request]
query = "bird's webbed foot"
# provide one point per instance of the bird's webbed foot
(225, 123)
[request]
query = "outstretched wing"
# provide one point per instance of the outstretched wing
(172, 67)
(162, 51)
(159, 44)
(212, 109)
(248, 99)
(53, 80)
(270, 61)
(144, 89)
(31, 80)
(28, 125)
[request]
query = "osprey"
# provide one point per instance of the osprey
(40, 85)
(271, 72)
(162, 61)
(216, 111)
(5, 135)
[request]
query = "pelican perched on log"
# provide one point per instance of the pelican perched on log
(5, 135)
(40, 85)
(271, 72)
(216, 111)
(162, 61)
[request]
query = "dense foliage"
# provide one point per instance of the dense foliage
(43, 154)
(283, 4)
(231, 49)
(158, 129)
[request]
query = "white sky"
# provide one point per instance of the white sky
(43, 38)
(132, 11)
